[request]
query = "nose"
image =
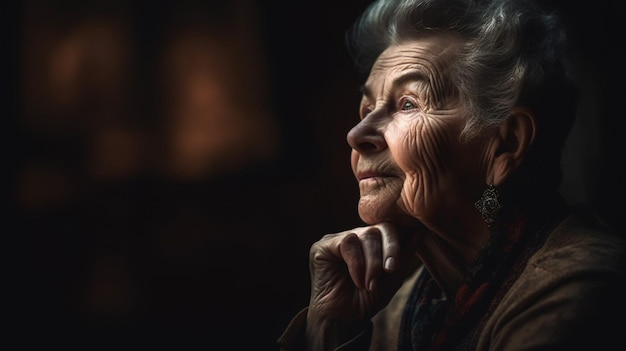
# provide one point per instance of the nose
(366, 138)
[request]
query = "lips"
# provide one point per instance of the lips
(371, 174)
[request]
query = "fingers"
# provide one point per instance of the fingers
(390, 248)
(369, 252)
(372, 248)
(351, 252)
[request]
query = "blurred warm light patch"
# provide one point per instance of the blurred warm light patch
(73, 72)
(217, 115)
(91, 57)
(89, 79)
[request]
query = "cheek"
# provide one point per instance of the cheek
(416, 146)
(421, 149)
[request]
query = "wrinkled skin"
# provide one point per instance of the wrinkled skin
(418, 184)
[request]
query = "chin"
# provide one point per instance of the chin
(377, 216)
(369, 217)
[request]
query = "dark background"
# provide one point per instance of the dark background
(172, 161)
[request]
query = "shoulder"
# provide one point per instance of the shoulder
(570, 293)
(581, 244)
(581, 263)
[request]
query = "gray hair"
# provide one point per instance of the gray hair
(513, 56)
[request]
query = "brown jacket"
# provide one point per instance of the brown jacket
(571, 296)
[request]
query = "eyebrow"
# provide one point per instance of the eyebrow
(408, 76)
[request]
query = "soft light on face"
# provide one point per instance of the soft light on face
(406, 153)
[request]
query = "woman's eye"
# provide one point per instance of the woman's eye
(365, 112)
(408, 105)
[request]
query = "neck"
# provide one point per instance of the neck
(448, 257)
(448, 252)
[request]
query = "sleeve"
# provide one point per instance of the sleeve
(293, 338)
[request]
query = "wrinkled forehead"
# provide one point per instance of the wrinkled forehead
(434, 54)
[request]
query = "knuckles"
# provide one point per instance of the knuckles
(354, 237)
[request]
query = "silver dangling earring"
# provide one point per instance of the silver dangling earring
(489, 204)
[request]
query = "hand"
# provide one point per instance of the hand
(354, 274)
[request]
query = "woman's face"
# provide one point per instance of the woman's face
(406, 152)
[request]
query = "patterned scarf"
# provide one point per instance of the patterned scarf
(432, 322)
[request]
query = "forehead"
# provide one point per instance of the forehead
(433, 55)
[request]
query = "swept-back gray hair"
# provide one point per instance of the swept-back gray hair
(513, 56)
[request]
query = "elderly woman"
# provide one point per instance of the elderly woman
(467, 244)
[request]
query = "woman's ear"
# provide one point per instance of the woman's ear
(516, 135)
